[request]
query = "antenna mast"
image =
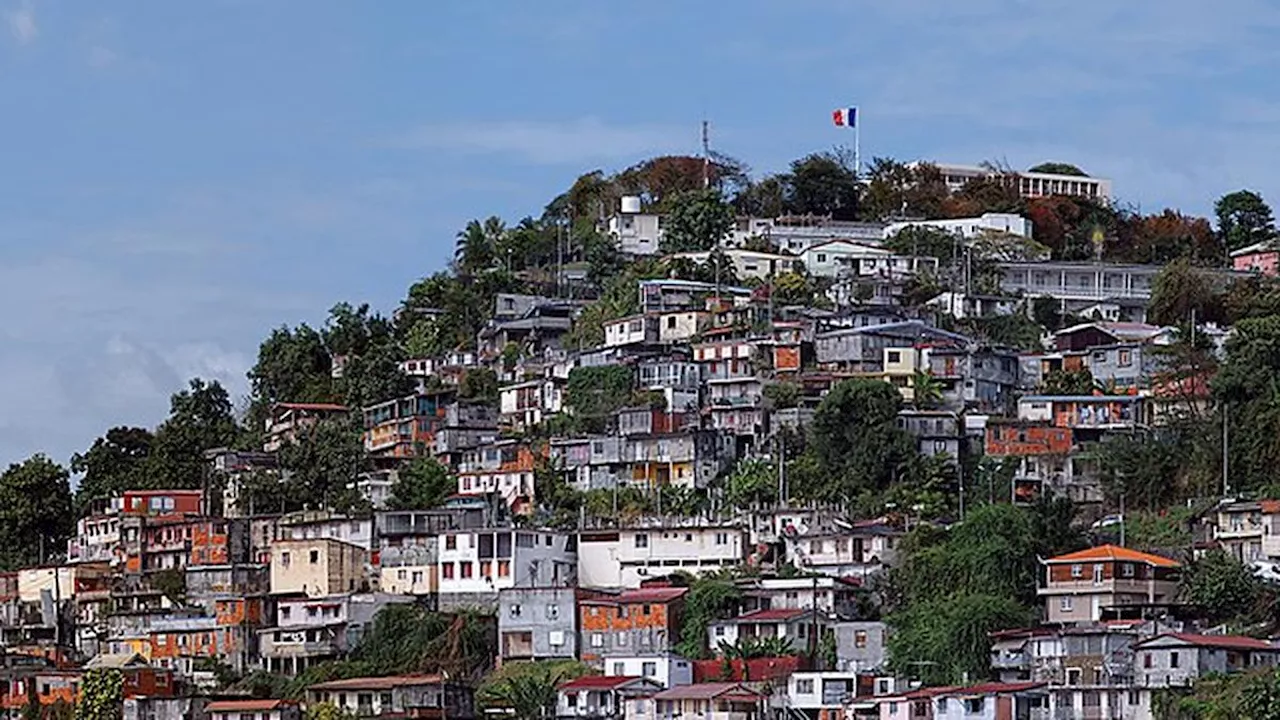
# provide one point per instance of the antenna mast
(706, 154)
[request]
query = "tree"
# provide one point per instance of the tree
(926, 390)
(697, 222)
(711, 597)
(1180, 290)
(783, 395)
(322, 466)
(1067, 382)
(527, 690)
(1058, 168)
(408, 638)
(856, 439)
(479, 385)
(293, 366)
(947, 639)
(1221, 586)
(422, 485)
(200, 418)
(1248, 387)
(114, 463)
(1244, 219)
(35, 512)
(766, 198)
(753, 483)
(823, 184)
(101, 695)
(476, 247)
(326, 711)
(595, 393)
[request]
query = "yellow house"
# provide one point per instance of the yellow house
(318, 567)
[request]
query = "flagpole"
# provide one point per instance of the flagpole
(857, 144)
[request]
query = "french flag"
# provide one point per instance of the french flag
(845, 117)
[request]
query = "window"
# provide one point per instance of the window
(1135, 697)
(556, 638)
(642, 540)
(446, 571)
(1126, 357)
(284, 558)
(311, 612)
(597, 639)
(649, 669)
(1077, 571)
(722, 538)
(1173, 659)
(450, 542)
(315, 557)
(553, 611)
(416, 577)
(1073, 676)
(860, 638)
(1127, 570)
(619, 669)
(895, 356)
(646, 609)
(671, 322)
(1146, 660)
(514, 610)
(467, 569)
(804, 687)
(1066, 603)
(719, 631)
(504, 568)
(1097, 572)
(822, 257)
(622, 639)
(284, 613)
(973, 705)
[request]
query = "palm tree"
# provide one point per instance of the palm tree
(477, 245)
(926, 390)
(529, 694)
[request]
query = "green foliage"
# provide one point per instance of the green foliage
(479, 385)
(753, 483)
(927, 241)
(750, 648)
(926, 390)
(697, 221)
(421, 485)
(946, 639)
(1058, 168)
(993, 551)
(35, 512)
(711, 596)
(618, 299)
(322, 467)
(1248, 384)
(823, 184)
(1249, 695)
(782, 395)
(200, 417)
(476, 248)
(1178, 291)
(1015, 330)
(595, 393)
(527, 690)
(172, 583)
(101, 695)
(293, 366)
(1244, 219)
(1223, 587)
(412, 639)
(326, 711)
(898, 190)
(114, 463)
(856, 441)
(1067, 382)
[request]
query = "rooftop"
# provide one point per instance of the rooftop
(1113, 552)
(245, 705)
(377, 683)
(1226, 642)
(770, 615)
(599, 682)
(709, 691)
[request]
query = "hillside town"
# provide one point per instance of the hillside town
(911, 441)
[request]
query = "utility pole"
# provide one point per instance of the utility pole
(1226, 483)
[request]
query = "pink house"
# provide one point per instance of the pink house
(1260, 257)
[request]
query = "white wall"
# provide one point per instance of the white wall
(667, 670)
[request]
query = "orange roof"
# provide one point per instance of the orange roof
(1271, 507)
(245, 705)
(1113, 552)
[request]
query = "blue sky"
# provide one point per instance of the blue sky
(181, 177)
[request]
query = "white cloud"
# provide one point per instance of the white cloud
(101, 56)
(577, 141)
(22, 23)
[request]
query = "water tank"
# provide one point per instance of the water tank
(630, 203)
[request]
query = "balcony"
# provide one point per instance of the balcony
(1009, 661)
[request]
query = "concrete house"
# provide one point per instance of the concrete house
(318, 567)
(537, 623)
(1079, 587)
(601, 697)
(1179, 659)
(635, 622)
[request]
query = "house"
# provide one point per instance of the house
(746, 263)
(794, 234)
(1045, 462)
(313, 630)
(634, 232)
(600, 697)
(1079, 285)
(1262, 258)
(962, 305)
(1086, 336)
(475, 565)
(855, 550)
(936, 432)
(645, 621)
(1240, 528)
(993, 701)
(289, 420)
(234, 467)
(408, 549)
(706, 701)
(1084, 412)
(667, 669)
(831, 595)
(525, 404)
(504, 467)
(889, 349)
(405, 427)
(622, 558)
(680, 326)
(534, 331)
(971, 227)
(633, 330)
(844, 259)
(974, 378)
(317, 567)
(537, 623)
(1080, 586)
(665, 294)
(798, 627)
(861, 645)
(422, 696)
(820, 695)
(252, 710)
(1028, 184)
(917, 704)
(1179, 659)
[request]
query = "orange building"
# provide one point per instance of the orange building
(51, 687)
(1022, 439)
(635, 622)
(161, 502)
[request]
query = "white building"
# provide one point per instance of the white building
(811, 692)
(972, 227)
(1030, 184)
(796, 626)
(841, 258)
(634, 330)
(667, 670)
(97, 539)
(746, 263)
(476, 564)
(1179, 659)
(623, 558)
(635, 233)
(319, 525)
(527, 403)
(681, 325)
(795, 238)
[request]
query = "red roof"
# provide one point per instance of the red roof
(599, 682)
(652, 595)
(1270, 507)
(994, 688)
(708, 691)
(245, 705)
(771, 615)
(324, 407)
(1229, 642)
(1113, 552)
